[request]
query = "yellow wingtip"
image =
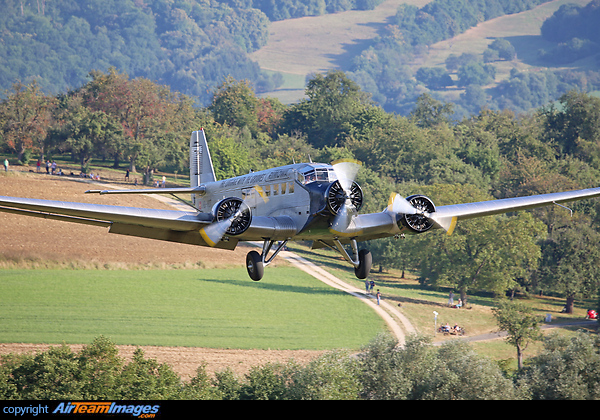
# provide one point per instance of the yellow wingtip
(452, 226)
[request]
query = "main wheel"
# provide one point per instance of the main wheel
(255, 266)
(365, 260)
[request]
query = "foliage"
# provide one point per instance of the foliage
(24, 117)
(289, 9)
(490, 253)
(381, 69)
(570, 263)
(334, 101)
(380, 371)
(573, 21)
(520, 323)
(567, 369)
(187, 44)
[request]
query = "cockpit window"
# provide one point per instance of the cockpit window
(318, 174)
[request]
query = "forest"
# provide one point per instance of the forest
(120, 122)
(383, 71)
(190, 45)
(193, 45)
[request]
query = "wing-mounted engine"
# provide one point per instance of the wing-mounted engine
(233, 213)
(418, 221)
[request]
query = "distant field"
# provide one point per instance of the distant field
(521, 29)
(214, 308)
(298, 47)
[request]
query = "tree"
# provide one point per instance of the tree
(99, 369)
(491, 253)
(429, 112)
(143, 379)
(332, 376)
(146, 112)
(434, 77)
(49, 375)
(25, 115)
(475, 74)
(567, 369)
(235, 103)
(334, 101)
(420, 371)
(504, 48)
(575, 124)
(570, 262)
(521, 324)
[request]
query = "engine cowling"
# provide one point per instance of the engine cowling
(234, 210)
(418, 222)
(336, 196)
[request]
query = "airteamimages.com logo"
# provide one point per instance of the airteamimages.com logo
(142, 411)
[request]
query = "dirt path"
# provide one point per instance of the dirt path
(397, 322)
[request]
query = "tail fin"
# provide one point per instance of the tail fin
(201, 167)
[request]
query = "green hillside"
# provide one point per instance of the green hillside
(394, 49)
(377, 49)
(190, 45)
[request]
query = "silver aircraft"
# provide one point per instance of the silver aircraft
(300, 202)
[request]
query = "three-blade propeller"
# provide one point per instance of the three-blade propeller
(230, 213)
(400, 205)
(345, 171)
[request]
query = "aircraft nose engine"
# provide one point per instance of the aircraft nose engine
(336, 196)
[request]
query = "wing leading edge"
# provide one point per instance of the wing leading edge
(169, 225)
(447, 216)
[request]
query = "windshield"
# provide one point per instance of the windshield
(316, 174)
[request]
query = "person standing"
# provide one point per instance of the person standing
(367, 285)
(6, 165)
(451, 298)
(371, 286)
(378, 296)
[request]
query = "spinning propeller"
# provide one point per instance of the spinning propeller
(345, 197)
(418, 213)
(232, 216)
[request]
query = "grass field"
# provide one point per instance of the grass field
(214, 308)
(418, 303)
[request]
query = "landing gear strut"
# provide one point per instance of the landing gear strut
(360, 260)
(256, 263)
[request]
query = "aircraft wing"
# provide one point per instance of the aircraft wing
(169, 225)
(447, 216)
